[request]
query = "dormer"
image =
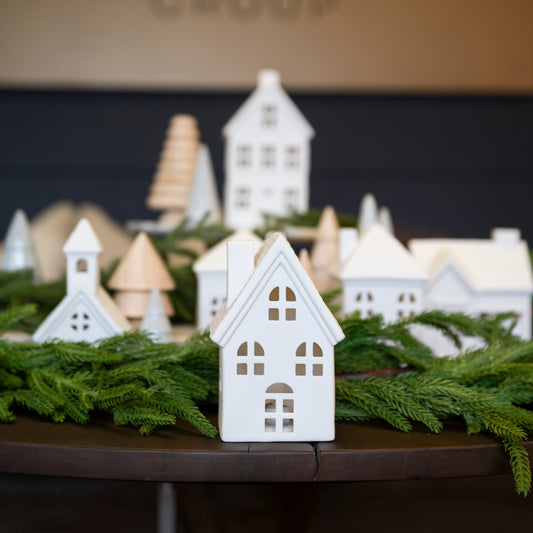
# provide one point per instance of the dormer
(81, 250)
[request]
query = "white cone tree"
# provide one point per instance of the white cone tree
(368, 213)
(155, 321)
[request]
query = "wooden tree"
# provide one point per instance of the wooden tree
(174, 176)
(140, 271)
(325, 252)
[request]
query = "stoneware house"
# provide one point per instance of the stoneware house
(267, 156)
(276, 338)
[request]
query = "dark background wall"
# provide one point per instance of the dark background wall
(452, 166)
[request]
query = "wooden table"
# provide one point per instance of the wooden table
(361, 452)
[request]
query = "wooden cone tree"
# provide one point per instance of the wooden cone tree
(174, 176)
(305, 260)
(140, 271)
(325, 252)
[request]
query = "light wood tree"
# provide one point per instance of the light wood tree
(325, 251)
(140, 271)
(305, 260)
(174, 176)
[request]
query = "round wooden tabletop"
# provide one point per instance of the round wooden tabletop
(360, 452)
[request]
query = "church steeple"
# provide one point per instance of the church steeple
(82, 249)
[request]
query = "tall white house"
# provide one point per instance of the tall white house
(479, 276)
(276, 338)
(267, 156)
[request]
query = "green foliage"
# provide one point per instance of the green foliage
(152, 385)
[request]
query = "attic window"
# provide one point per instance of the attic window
(285, 304)
(81, 265)
(269, 116)
(244, 156)
(268, 156)
(292, 157)
(244, 353)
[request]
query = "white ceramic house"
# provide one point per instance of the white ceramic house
(211, 273)
(479, 276)
(267, 156)
(379, 275)
(87, 312)
(276, 338)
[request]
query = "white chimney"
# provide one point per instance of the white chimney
(506, 237)
(268, 78)
(347, 243)
(240, 267)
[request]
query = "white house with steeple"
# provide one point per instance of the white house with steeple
(276, 338)
(87, 312)
(267, 156)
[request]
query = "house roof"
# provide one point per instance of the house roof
(486, 265)
(100, 304)
(269, 89)
(379, 255)
(141, 269)
(216, 258)
(83, 239)
(275, 251)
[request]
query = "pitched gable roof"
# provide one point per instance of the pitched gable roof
(276, 251)
(216, 258)
(379, 255)
(102, 306)
(485, 265)
(83, 239)
(269, 88)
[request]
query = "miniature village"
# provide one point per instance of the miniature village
(259, 300)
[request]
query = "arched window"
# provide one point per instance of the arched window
(246, 359)
(407, 305)
(308, 366)
(279, 408)
(282, 303)
(81, 265)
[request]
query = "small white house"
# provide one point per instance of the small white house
(276, 338)
(379, 276)
(267, 156)
(87, 312)
(211, 273)
(479, 276)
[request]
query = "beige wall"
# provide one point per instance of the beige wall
(390, 45)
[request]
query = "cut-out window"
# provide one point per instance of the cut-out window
(288, 425)
(268, 156)
(369, 297)
(280, 388)
(400, 314)
(270, 405)
(299, 369)
(273, 314)
(290, 314)
(242, 197)
(288, 406)
(269, 116)
(401, 297)
(290, 199)
(317, 370)
(275, 295)
(80, 321)
(317, 350)
(81, 265)
(270, 425)
(245, 350)
(278, 408)
(412, 298)
(300, 351)
(292, 157)
(370, 313)
(244, 156)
